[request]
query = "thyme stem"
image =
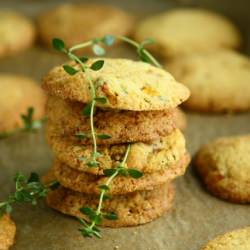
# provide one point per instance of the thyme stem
(124, 39)
(81, 45)
(137, 46)
(93, 95)
(93, 128)
(108, 182)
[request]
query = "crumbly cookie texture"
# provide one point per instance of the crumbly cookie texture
(65, 118)
(181, 31)
(7, 232)
(224, 167)
(235, 240)
(88, 183)
(127, 84)
(132, 209)
(76, 23)
(17, 33)
(19, 94)
(215, 80)
(145, 157)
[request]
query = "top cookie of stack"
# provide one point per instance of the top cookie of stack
(129, 87)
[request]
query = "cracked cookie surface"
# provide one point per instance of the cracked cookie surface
(126, 84)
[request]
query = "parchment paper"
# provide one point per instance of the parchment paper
(197, 216)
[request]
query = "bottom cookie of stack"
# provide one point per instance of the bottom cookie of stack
(132, 209)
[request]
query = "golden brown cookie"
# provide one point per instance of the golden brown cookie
(216, 80)
(88, 183)
(235, 240)
(126, 84)
(19, 94)
(76, 23)
(7, 232)
(224, 167)
(132, 209)
(180, 119)
(17, 32)
(145, 157)
(186, 30)
(66, 118)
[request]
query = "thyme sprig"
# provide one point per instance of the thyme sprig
(29, 124)
(95, 217)
(108, 40)
(143, 54)
(89, 109)
(97, 45)
(27, 190)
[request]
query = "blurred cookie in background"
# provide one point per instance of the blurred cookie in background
(76, 23)
(17, 32)
(17, 95)
(186, 30)
(234, 240)
(218, 80)
(7, 232)
(224, 167)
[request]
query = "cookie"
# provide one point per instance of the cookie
(88, 183)
(19, 94)
(7, 232)
(145, 157)
(126, 84)
(224, 167)
(215, 80)
(235, 240)
(132, 209)
(17, 33)
(187, 30)
(76, 23)
(180, 119)
(66, 118)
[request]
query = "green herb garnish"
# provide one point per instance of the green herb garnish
(108, 40)
(95, 217)
(28, 190)
(29, 124)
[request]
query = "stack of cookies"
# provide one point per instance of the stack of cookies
(141, 101)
